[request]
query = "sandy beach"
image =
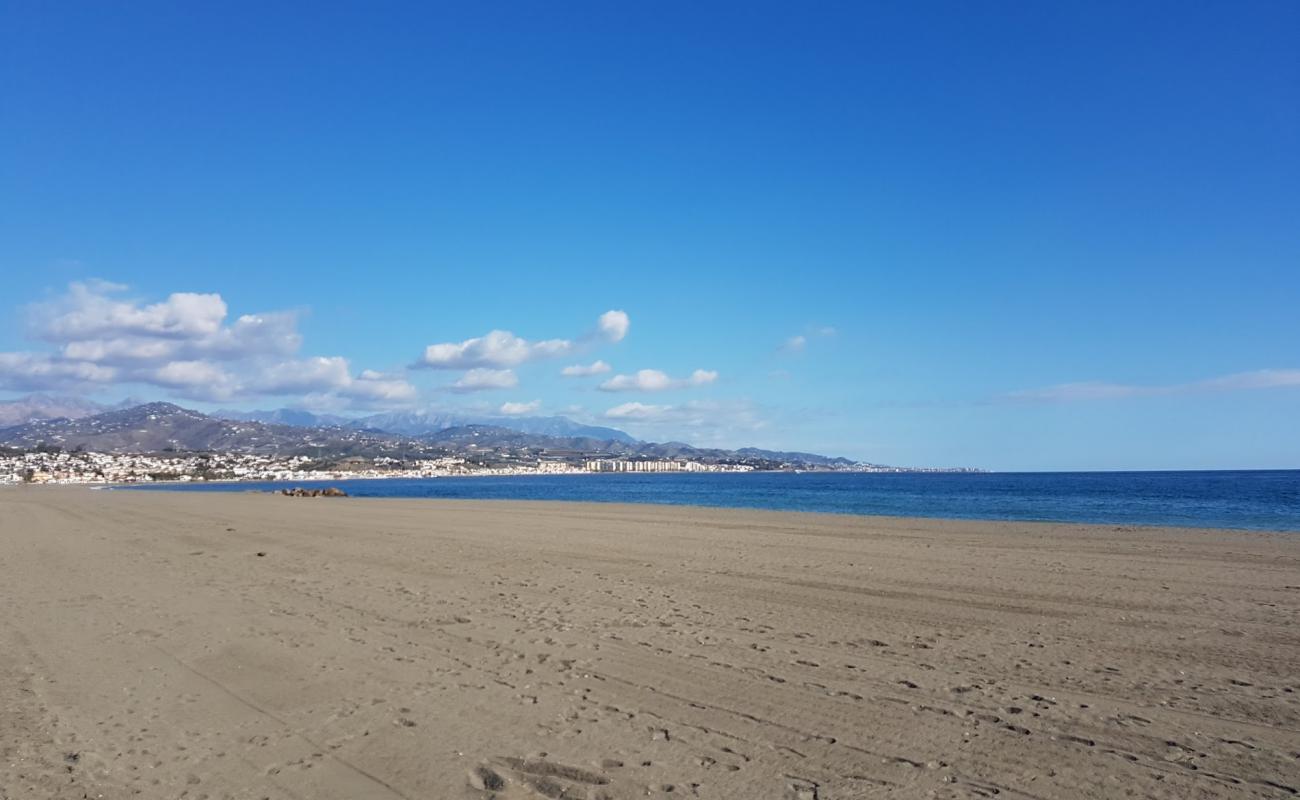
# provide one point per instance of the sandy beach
(168, 645)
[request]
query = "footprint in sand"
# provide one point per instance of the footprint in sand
(546, 778)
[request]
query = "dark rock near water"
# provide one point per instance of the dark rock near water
(298, 491)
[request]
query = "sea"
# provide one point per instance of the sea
(1251, 500)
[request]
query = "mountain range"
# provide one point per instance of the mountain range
(422, 423)
(161, 427)
(37, 407)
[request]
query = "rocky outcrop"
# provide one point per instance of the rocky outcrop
(298, 491)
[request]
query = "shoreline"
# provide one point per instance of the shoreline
(760, 502)
(887, 518)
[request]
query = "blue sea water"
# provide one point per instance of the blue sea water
(1260, 500)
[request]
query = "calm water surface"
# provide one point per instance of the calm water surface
(1262, 500)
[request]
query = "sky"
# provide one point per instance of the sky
(1014, 236)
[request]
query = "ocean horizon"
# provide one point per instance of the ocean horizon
(1231, 499)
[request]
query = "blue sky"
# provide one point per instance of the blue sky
(1014, 236)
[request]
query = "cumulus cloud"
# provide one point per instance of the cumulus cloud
(377, 386)
(273, 332)
(613, 325)
(1100, 390)
(90, 311)
(192, 373)
(653, 380)
(497, 349)
(39, 372)
(332, 375)
(500, 349)
(199, 380)
(250, 335)
(182, 344)
(482, 380)
(584, 370)
(516, 409)
(316, 374)
(646, 380)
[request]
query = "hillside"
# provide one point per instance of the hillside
(160, 427)
(164, 427)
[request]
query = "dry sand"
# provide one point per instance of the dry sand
(430, 649)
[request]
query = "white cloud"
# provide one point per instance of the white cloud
(88, 311)
(273, 332)
(38, 372)
(181, 344)
(711, 420)
(251, 335)
(500, 349)
(516, 409)
(497, 349)
(92, 323)
(122, 350)
(481, 380)
(1098, 390)
(798, 343)
(584, 370)
(327, 380)
(637, 411)
(646, 380)
(333, 374)
(376, 386)
(316, 374)
(613, 325)
(191, 373)
(196, 379)
(653, 380)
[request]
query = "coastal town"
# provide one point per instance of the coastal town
(63, 467)
(55, 466)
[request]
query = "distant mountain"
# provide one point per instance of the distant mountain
(790, 457)
(411, 423)
(45, 406)
(285, 416)
(499, 436)
(422, 423)
(563, 426)
(161, 427)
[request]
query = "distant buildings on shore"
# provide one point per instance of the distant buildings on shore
(87, 467)
(76, 466)
(625, 465)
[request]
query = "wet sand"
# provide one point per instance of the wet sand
(166, 645)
